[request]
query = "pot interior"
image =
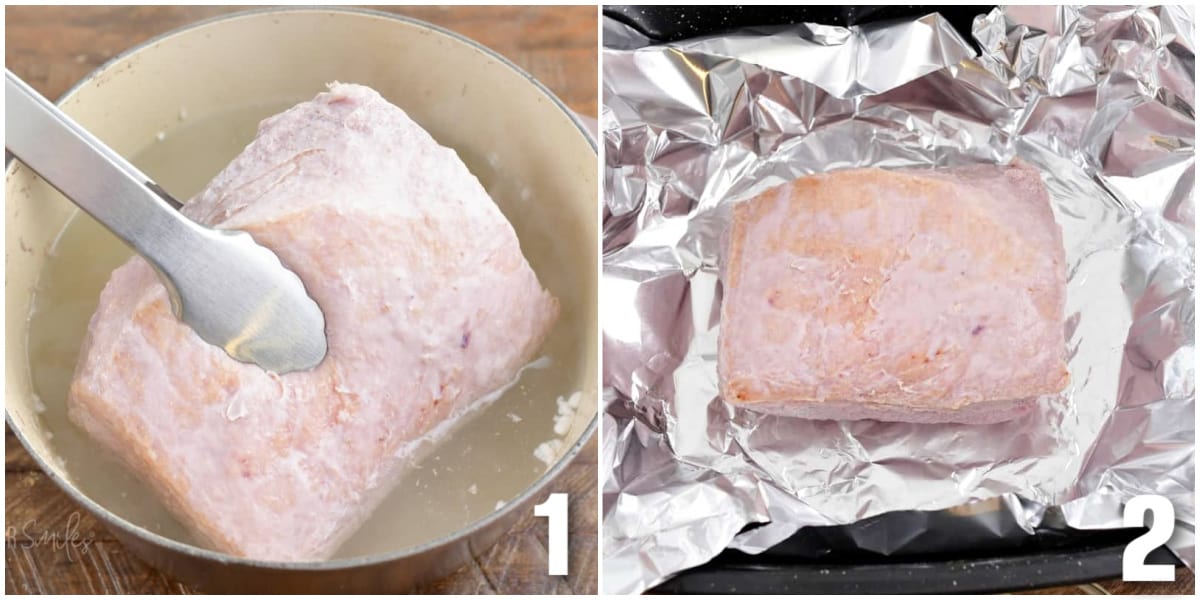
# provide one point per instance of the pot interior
(185, 105)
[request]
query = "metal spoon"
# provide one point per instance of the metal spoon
(233, 292)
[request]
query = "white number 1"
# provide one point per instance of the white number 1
(555, 511)
(1133, 562)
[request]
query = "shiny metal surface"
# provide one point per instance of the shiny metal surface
(234, 293)
(1100, 99)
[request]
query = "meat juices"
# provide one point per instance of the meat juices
(429, 305)
(923, 296)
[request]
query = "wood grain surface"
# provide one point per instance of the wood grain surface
(1184, 585)
(54, 546)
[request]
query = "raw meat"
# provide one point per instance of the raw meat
(922, 295)
(429, 305)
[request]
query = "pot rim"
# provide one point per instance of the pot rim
(113, 520)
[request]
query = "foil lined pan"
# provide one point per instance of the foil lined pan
(1100, 99)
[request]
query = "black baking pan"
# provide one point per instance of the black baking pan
(1089, 556)
(674, 23)
(977, 551)
(822, 560)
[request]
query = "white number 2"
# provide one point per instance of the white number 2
(1133, 566)
(555, 511)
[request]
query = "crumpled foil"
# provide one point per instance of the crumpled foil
(1101, 99)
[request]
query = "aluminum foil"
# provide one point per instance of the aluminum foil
(1100, 99)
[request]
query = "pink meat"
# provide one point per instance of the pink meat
(429, 305)
(923, 296)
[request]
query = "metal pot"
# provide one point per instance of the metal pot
(225, 73)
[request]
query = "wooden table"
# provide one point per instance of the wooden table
(1184, 585)
(54, 546)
